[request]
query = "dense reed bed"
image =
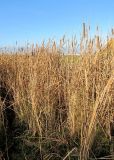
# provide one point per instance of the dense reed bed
(65, 101)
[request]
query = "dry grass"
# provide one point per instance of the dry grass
(61, 96)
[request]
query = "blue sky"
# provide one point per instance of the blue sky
(35, 20)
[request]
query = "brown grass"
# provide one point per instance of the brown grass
(59, 94)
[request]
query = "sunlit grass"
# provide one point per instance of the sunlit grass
(62, 97)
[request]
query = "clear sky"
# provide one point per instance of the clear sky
(35, 20)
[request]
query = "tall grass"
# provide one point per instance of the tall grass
(62, 97)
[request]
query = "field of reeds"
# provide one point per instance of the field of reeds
(57, 101)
